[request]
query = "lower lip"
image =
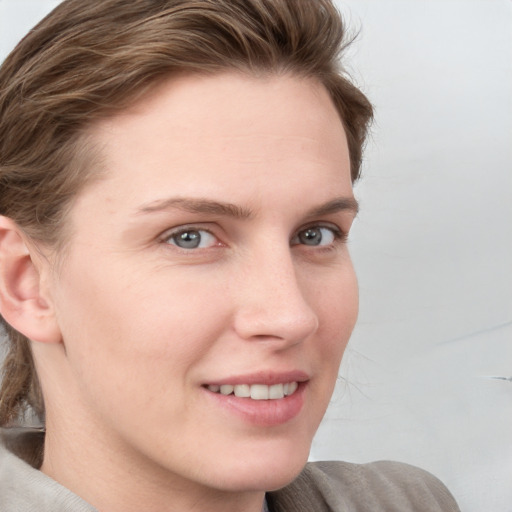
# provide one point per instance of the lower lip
(263, 413)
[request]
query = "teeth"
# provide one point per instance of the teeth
(242, 391)
(276, 391)
(259, 392)
(256, 391)
(226, 389)
(290, 388)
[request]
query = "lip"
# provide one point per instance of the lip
(261, 413)
(267, 377)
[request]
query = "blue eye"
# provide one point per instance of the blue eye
(192, 239)
(315, 236)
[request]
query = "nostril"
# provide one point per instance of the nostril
(276, 324)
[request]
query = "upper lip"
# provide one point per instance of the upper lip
(266, 377)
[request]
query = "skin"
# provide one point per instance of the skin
(140, 325)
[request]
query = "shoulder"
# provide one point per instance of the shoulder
(24, 488)
(377, 486)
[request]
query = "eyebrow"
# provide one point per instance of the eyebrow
(193, 205)
(207, 206)
(336, 205)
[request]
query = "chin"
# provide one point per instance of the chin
(265, 470)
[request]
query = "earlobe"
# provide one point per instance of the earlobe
(22, 302)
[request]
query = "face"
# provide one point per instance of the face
(207, 295)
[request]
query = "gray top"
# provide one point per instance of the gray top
(25, 489)
(321, 487)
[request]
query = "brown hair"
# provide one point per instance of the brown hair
(86, 60)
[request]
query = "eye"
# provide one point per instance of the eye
(316, 236)
(191, 239)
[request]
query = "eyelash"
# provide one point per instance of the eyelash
(339, 237)
(169, 236)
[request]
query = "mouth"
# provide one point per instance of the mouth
(263, 399)
(256, 391)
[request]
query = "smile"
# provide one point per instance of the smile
(256, 391)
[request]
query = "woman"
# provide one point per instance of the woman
(174, 278)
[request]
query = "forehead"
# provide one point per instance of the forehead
(203, 132)
(231, 106)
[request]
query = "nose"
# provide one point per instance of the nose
(271, 303)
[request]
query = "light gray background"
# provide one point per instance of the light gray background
(425, 377)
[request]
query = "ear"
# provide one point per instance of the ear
(23, 303)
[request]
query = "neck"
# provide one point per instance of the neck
(112, 481)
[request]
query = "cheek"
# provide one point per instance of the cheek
(156, 318)
(336, 298)
(338, 308)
